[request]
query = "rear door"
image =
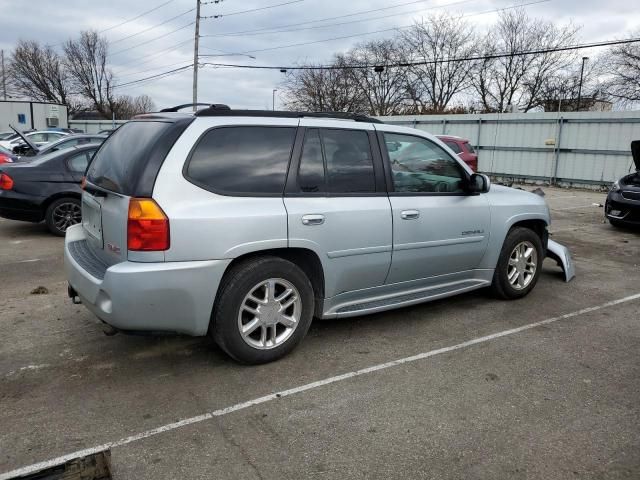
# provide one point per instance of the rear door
(337, 204)
(125, 166)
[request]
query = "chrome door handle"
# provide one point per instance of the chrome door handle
(409, 214)
(312, 219)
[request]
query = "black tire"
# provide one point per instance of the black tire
(235, 285)
(53, 221)
(500, 286)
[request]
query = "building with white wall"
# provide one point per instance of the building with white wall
(25, 115)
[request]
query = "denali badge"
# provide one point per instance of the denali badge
(472, 232)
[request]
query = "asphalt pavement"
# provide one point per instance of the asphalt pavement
(469, 387)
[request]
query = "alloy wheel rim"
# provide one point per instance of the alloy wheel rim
(65, 215)
(523, 263)
(269, 313)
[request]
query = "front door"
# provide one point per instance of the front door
(336, 206)
(438, 228)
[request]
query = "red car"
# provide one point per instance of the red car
(463, 148)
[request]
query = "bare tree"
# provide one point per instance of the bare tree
(324, 89)
(623, 66)
(38, 72)
(126, 107)
(86, 60)
(384, 87)
(432, 85)
(517, 79)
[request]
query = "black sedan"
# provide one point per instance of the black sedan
(46, 188)
(623, 202)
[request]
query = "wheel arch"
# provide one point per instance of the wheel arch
(307, 260)
(57, 196)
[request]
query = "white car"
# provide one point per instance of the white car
(37, 138)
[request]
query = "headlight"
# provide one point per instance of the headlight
(616, 186)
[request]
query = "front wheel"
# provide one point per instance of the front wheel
(263, 310)
(519, 264)
(61, 214)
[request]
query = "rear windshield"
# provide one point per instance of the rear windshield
(469, 147)
(120, 161)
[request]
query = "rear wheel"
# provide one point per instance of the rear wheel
(63, 213)
(263, 310)
(519, 264)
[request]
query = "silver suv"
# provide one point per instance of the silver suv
(245, 225)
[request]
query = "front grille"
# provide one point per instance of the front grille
(629, 195)
(81, 253)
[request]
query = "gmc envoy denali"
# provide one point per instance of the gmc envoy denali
(245, 225)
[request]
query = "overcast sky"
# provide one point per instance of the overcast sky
(153, 48)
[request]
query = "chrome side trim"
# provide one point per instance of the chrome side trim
(438, 243)
(358, 251)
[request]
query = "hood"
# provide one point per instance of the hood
(635, 151)
(25, 139)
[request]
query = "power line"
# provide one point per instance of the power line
(328, 25)
(362, 12)
(149, 58)
(492, 56)
(252, 10)
(279, 47)
(136, 17)
(156, 76)
(153, 27)
(153, 39)
(120, 77)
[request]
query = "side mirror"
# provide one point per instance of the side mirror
(479, 183)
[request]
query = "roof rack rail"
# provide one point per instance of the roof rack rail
(186, 105)
(217, 111)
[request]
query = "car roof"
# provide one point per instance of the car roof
(451, 137)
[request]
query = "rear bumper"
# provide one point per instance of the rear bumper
(20, 207)
(137, 296)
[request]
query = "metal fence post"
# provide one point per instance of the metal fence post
(554, 179)
(444, 126)
(478, 136)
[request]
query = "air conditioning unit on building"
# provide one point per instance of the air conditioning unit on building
(53, 121)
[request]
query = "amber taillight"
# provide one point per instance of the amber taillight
(147, 226)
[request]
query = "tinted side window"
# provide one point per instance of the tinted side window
(311, 169)
(78, 162)
(453, 146)
(349, 161)
(242, 159)
(419, 165)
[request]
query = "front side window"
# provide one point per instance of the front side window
(336, 161)
(242, 159)
(419, 165)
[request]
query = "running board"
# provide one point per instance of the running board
(418, 296)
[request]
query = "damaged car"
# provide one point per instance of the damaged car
(622, 208)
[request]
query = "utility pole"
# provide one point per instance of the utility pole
(584, 59)
(195, 56)
(4, 77)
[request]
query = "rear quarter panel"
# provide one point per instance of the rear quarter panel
(210, 226)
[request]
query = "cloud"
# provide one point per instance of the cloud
(53, 23)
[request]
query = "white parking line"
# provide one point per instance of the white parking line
(31, 260)
(36, 467)
(579, 206)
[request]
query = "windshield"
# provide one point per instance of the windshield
(122, 157)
